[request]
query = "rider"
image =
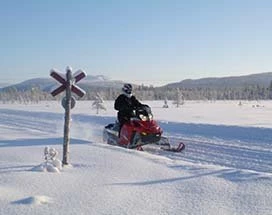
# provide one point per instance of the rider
(126, 103)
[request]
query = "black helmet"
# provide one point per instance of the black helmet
(127, 88)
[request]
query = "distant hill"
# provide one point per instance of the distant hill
(4, 85)
(48, 84)
(100, 82)
(262, 79)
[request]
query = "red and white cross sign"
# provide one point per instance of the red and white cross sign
(77, 76)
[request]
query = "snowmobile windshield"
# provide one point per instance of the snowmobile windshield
(144, 113)
(145, 118)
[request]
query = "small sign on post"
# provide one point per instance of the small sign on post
(68, 84)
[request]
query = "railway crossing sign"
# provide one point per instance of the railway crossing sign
(68, 84)
(76, 77)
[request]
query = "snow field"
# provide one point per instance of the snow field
(225, 168)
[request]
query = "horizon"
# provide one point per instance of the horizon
(151, 42)
(2, 84)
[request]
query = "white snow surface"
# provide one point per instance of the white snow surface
(225, 169)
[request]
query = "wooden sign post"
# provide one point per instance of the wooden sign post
(68, 84)
(67, 117)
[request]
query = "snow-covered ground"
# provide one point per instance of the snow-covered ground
(225, 169)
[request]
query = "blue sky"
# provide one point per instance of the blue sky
(144, 41)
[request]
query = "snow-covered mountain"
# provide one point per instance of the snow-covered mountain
(4, 85)
(100, 81)
(48, 84)
(262, 79)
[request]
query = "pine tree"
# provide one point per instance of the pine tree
(165, 103)
(179, 98)
(98, 103)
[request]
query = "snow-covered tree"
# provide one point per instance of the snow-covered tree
(98, 103)
(165, 103)
(51, 163)
(179, 98)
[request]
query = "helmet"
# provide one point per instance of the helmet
(127, 88)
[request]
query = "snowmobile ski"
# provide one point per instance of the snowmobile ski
(179, 148)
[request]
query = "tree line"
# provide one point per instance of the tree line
(251, 92)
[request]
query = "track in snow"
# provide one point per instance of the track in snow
(228, 146)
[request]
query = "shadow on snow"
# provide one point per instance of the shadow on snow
(39, 142)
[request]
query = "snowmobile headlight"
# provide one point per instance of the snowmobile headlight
(143, 117)
(150, 116)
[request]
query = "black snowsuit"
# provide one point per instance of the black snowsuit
(125, 106)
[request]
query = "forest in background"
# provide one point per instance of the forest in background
(248, 87)
(250, 92)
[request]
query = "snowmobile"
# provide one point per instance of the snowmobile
(140, 130)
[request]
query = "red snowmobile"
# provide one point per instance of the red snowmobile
(140, 130)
